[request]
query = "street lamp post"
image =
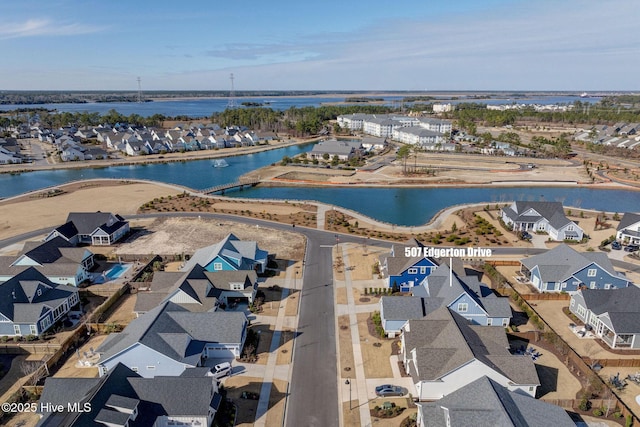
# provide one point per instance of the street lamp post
(348, 382)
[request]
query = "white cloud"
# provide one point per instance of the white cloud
(43, 27)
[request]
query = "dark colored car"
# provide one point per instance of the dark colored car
(616, 245)
(631, 248)
(389, 390)
(525, 235)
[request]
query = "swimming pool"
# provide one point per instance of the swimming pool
(117, 271)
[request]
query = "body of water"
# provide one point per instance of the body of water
(204, 107)
(196, 174)
(416, 206)
(402, 206)
(201, 107)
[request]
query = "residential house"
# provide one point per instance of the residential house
(71, 153)
(463, 294)
(57, 259)
(444, 352)
(30, 303)
(484, 402)
(94, 228)
(124, 398)
(562, 269)
(628, 230)
(199, 289)
(7, 157)
(395, 311)
(133, 147)
(500, 148)
(614, 315)
(230, 253)
(373, 143)
(343, 150)
(405, 272)
(169, 339)
(541, 217)
(266, 137)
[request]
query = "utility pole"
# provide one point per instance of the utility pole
(231, 103)
(139, 91)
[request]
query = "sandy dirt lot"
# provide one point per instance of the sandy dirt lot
(186, 235)
(28, 213)
(449, 168)
(122, 313)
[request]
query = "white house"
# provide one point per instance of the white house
(541, 217)
(443, 352)
(629, 229)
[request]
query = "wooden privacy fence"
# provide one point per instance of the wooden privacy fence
(503, 262)
(546, 297)
(616, 363)
(30, 348)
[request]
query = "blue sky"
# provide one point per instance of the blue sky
(580, 45)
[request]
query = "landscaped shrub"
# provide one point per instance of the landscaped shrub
(598, 412)
(584, 405)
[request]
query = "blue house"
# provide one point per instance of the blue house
(564, 269)
(405, 272)
(465, 295)
(230, 254)
(30, 303)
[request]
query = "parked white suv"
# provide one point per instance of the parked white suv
(221, 370)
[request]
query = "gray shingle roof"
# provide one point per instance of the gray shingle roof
(486, 403)
(622, 305)
(628, 219)
(20, 301)
(440, 291)
(203, 287)
(559, 263)
(53, 250)
(230, 248)
(402, 308)
(88, 222)
(177, 333)
(123, 388)
(444, 341)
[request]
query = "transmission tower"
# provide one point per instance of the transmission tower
(232, 95)
(139, 91)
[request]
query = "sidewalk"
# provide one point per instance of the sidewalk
(358, 383)
(271, 370)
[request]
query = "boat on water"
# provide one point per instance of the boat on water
(584, 95)
(220, 163)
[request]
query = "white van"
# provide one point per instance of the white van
(221, 370)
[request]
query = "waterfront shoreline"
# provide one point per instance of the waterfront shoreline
(20, 168)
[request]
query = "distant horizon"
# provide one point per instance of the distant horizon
(334, 91)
